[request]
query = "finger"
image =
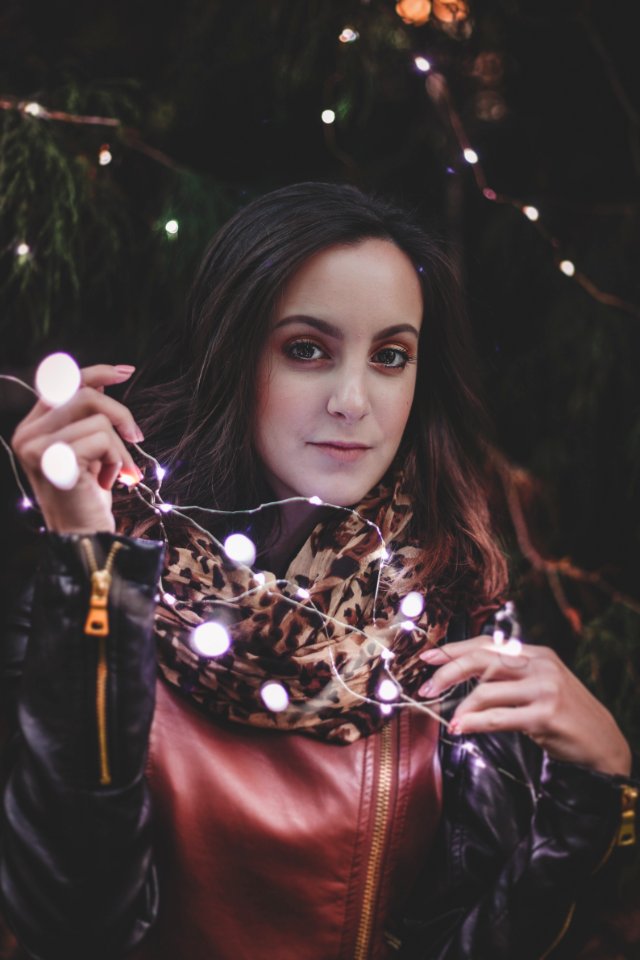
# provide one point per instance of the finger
(86, 403)
(497, 693)
(109, 448)
(482, 662)
(521, 719)
(452, 651)
(102, 375)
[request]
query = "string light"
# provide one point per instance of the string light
(26, 503)
(567, 267)
(23, 250)
(60, 466)
(532, 213)
(422, 64)
(105, 156)
(328, 116)
(302, 594)
(172, 227)
(274, 696)
(160, 472)
(470, 155)
(412, 605)
(33, 109)
(348, 35)
(388, 690)
(240, 549)
(316, 501)
(58, 379)
(407, 625)
(210, 639)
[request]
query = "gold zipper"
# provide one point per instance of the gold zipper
(97, 625)
(372, 879)
(625, 836)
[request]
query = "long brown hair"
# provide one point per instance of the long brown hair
(197, 409)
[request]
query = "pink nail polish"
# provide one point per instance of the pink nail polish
(454, 726)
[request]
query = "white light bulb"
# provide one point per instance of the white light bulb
(567, 267)
(26, 503)
(316, 501)
(387, 654)
(59, 465)
(302, 593)
(274, 696)
(412, 605)
(169, 599)
(531, 212)
(172, 227)
(165, 507)
(470, 155)
(385, 708)
(348, 35)
(422, 64)
(407, 625)
(260, 578)
(23, 250)
(328, 116)
(33, 109)
(104, 157)
(498, 637)
(240, 548)
(211, 639)
(160, 472)
(58, 379)
(384, 553)
(512, 648)
(388, 690)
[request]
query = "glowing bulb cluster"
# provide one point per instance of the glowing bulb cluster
(240, 549)
(274, 696)
(58, 379)
(412, 605)
(348, 35)
(422, 64)
(33, 109)
(210, 639)
(567, 267)
(60, 466)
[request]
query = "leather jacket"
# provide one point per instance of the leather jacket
(519, 836)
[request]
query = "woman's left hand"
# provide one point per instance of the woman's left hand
(533, 692)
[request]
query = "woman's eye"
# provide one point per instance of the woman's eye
(391, 357)
(304, 350)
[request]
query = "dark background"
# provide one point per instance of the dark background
(219, 102)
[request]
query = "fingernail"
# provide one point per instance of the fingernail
(426, 688)
(138, 434)
(124, 371)
(454, 726)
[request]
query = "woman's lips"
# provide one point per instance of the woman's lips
(344, 452)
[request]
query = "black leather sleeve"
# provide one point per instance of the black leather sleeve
(76, 872)
(521, 838)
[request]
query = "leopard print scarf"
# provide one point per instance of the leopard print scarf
(324, 636)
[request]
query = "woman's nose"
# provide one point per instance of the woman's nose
(349, 399)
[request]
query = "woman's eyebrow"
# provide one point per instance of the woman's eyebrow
(332, 331)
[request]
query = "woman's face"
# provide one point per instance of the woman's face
(337, 374)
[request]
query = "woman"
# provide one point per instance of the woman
(324, 362)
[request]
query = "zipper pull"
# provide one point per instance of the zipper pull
(627, 833)
(97, 622)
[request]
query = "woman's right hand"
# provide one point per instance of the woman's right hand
(93, 425)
